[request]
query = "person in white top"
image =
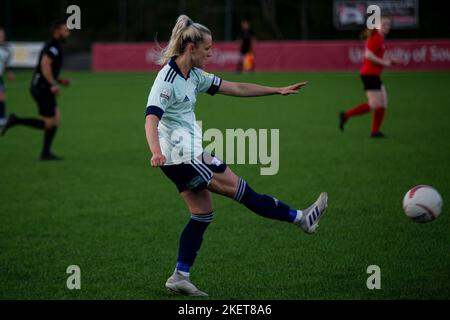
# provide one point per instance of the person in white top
(5, 57)
(174, 140)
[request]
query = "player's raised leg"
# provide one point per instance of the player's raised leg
(357, 110)
(14, 120)
(232, 186)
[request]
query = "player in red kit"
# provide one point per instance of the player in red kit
(370, 75)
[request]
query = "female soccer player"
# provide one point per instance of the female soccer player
(175, 142)
(370, 75)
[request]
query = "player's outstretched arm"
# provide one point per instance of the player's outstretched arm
(238, 89)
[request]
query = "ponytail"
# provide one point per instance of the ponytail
(185, 31)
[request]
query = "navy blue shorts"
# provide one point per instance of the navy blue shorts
(195, 175)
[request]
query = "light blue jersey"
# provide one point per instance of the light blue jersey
(172, 99)
(5, 55)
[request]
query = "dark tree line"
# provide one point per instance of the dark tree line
(141, 20)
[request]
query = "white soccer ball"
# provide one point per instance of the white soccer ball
(422, 203)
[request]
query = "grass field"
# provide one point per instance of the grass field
(106, 210)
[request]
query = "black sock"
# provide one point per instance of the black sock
(49, 134)
(30, 122)
(2, 109)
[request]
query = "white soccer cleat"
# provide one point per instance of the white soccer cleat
(309, 220)
(181, 284)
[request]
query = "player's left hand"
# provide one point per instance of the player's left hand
(65, 82)
(293, 89)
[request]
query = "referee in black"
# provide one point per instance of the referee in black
(45, 87)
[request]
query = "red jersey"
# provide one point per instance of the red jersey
(375, 44)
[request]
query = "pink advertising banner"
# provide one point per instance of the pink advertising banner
(282, 56)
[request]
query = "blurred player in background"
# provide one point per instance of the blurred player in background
(5, 57)
(44, 89)
(175, 141)
(370, 75)
(246, 54)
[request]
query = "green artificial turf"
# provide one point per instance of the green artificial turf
(106, 210)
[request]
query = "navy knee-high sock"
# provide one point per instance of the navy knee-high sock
(191, 239)
(264, 205)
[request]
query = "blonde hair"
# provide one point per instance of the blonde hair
(185, 31)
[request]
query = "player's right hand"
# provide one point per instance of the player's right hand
(292, 89)
(54, 89)
(395, 62)
(158, 160)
